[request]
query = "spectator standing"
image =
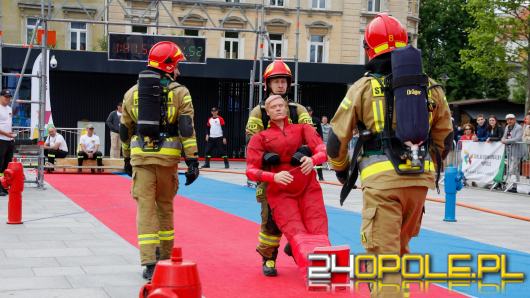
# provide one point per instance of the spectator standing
(318, 127)
(513, 133)
(325, 126)
(526, 129)
(113, 123)
(469, 132)
(495, 131)
(54, 146)
(482, 129)
(89, 144)
(215, 138)
(6, 133)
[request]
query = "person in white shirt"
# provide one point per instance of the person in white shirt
(215, 138)
(89, 144)
(55, 146)
(7, 146)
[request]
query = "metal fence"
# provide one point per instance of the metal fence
(27, 144)
(514, 170)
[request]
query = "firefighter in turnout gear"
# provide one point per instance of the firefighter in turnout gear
(393, 198)
(277, 78)
(156, 125)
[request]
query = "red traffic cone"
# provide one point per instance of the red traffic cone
(174, 278)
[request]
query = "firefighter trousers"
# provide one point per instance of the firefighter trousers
(154, 188)
(390, 218)
(269, 234)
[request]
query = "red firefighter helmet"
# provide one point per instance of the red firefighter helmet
(384, 34)
(165, 56)
(277, 69)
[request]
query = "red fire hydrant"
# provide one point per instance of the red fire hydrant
(175, 278)
(13, 181)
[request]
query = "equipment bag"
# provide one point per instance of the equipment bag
(409, 86)
(149, 102)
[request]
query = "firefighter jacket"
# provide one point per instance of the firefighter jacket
(365, 103)
(179, 103)
(255, 119)
(284, 143)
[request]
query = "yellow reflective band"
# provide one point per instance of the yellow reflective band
(363, 237)
(163, 151)
(430, 119)
(190, 143)
(400, 44)
(134, 113)
(187, 98)
(170, 98)
(153, 63)
(384, 166)
(338, 163)
(381, 48)
(144, 242)
(274, 244)
(141, 236)
(377, 122)
(135, 98)
(377, 89)
(168, 238)
(165, 233)
(381, 112)
(270, 236)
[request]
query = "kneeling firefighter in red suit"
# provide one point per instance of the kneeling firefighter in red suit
(284, 156)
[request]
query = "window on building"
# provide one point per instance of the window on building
(374, 5)
(231, 45)
(316, 48)
(276, 44)
(280, 3)
(191, 32)
(78, 34)
(139, 29)
(30, 27)
(318, 4)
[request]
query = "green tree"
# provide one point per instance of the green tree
(499, 41)
(442, 34)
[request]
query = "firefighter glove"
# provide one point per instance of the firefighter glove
(193, 170)
(342, 176)
(271, 159)
(296, 160)
(127, 168)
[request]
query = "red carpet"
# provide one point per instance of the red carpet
(223, 245)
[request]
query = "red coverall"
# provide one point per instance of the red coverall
(298, 208)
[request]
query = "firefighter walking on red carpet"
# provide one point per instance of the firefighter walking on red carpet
(156, 125)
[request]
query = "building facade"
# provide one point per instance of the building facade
(331, 31)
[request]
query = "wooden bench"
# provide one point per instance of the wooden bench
(69, 164)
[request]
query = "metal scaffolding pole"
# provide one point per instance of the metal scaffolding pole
(296, 99)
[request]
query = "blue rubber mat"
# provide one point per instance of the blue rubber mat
(344, 229)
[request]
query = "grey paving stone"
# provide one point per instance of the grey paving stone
(107, 280)
(112, 269)
(58, 271)
(122, 250)
(15, 272)
(92, 243)
(58, 293)
(92, 260)
(33, 283)
(47, 252)
(13, 263)
(123, 292)
(32, 244)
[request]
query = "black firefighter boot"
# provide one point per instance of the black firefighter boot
(320, 174)
(206, 162)
(148, 272)
(269, 265)
(226, 162)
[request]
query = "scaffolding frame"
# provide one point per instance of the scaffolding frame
(46, 16)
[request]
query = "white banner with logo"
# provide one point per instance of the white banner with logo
(35, 96)
(481, 161)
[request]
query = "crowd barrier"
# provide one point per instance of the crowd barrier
(494, 165)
